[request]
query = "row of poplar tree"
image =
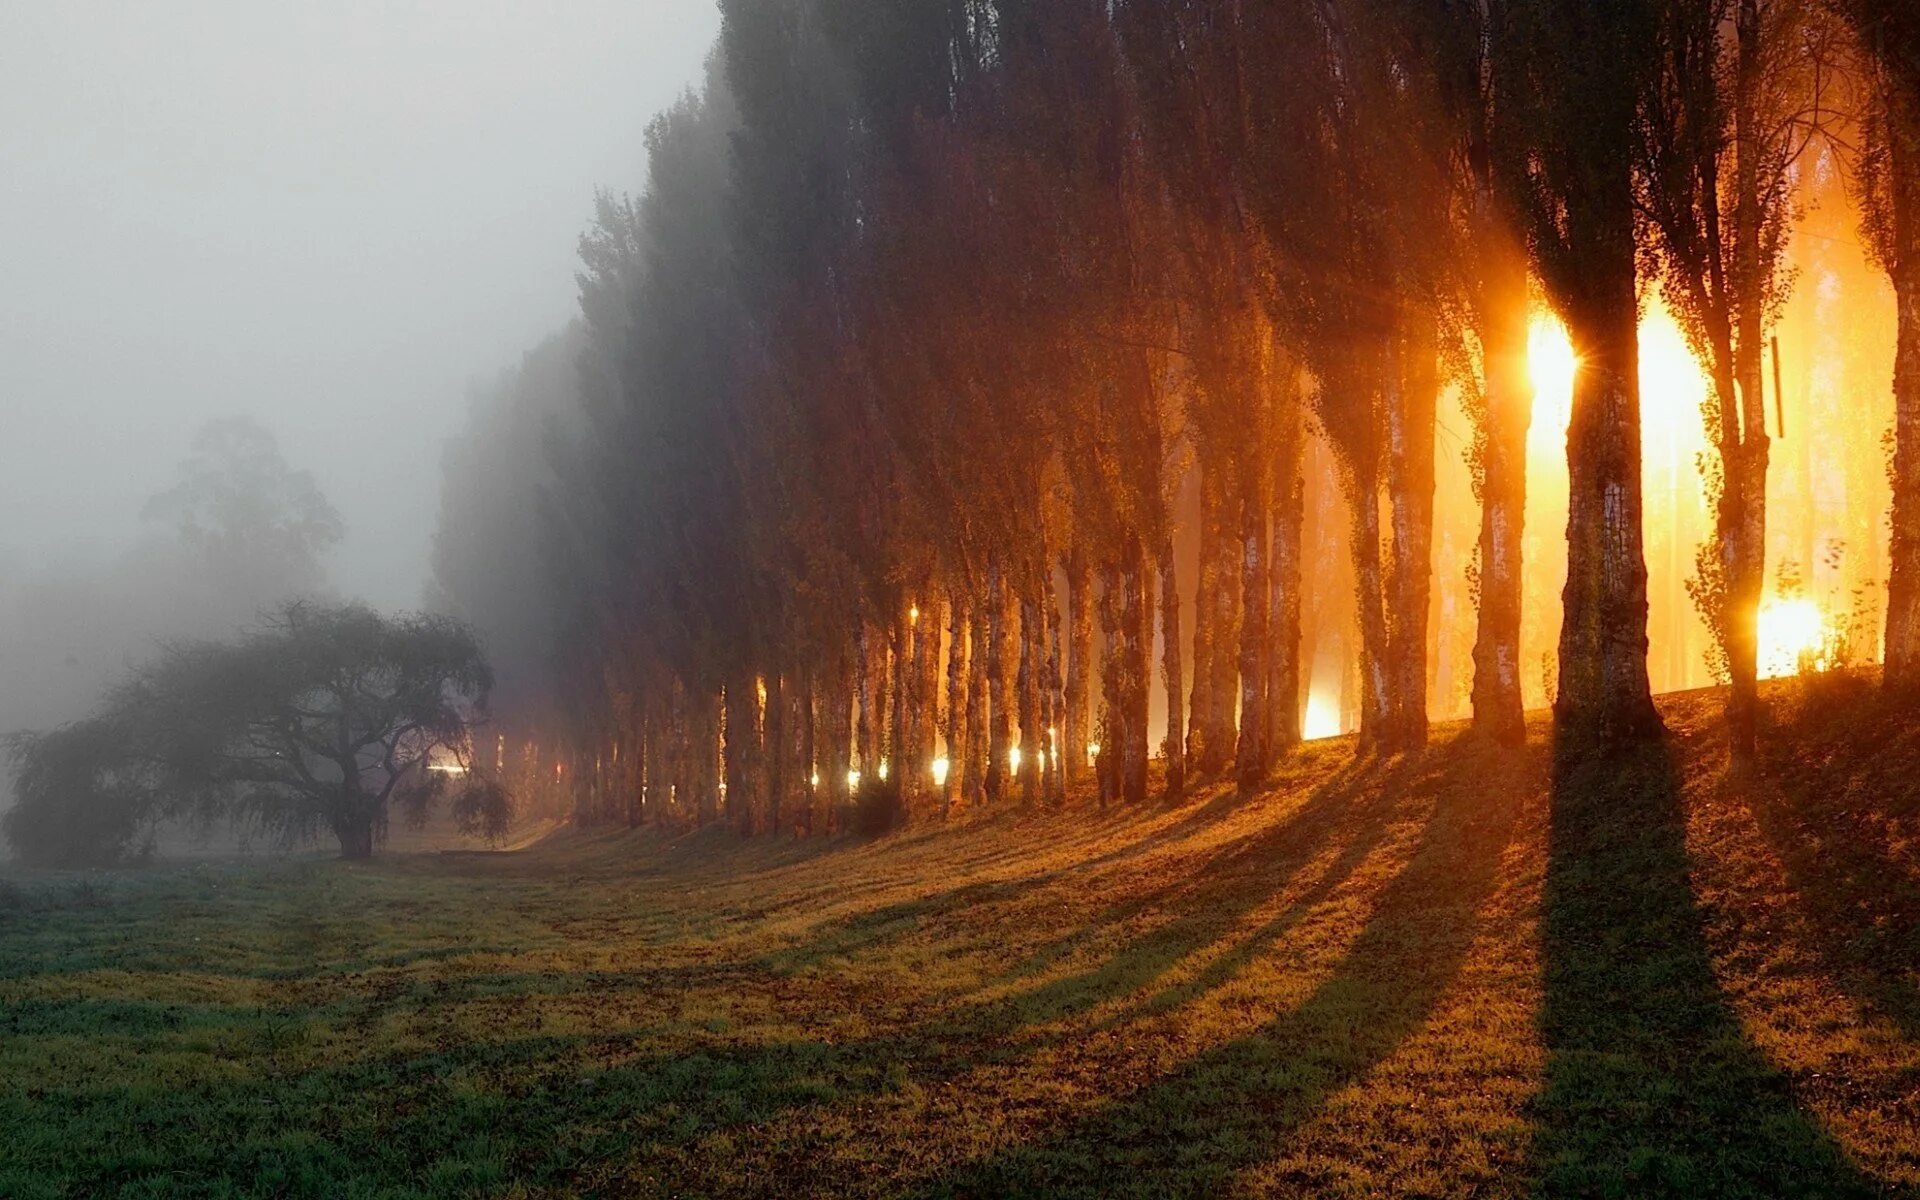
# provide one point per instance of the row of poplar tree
(890, 378)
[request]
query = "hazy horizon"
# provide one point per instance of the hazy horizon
(334, 219)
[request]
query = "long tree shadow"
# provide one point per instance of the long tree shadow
(1651, 1087)
(1231, 1107)
(1344, 800)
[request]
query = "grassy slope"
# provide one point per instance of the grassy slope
(1457, 975)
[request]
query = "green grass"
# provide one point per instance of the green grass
(1469, 973)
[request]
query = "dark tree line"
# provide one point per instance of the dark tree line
(892, 380)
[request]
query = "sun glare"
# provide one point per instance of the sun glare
(1323, 718)
(1794, 635)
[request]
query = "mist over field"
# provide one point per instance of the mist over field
(945, 599)
(339, 221)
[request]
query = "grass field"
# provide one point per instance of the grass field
(1462, 974)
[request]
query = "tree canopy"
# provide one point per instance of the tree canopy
(322, 720)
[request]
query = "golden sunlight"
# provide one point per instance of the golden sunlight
(1323, 718)
(1795, 635)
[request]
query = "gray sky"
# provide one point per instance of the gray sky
(330, 215)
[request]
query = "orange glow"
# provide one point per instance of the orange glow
(1323, 718)
(1795, 635)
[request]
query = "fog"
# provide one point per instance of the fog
(328, 217)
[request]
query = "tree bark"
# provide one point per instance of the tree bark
(1250, 750)
(1363, 495)
(1604, 696)
(1410, 484)
(1132, 693)
(999, 719)
(926, 653)
(1170, 668)
(1284, 571)
(1056, 701)
(738, 732)
(1079, 664)
(976, 763)
(1032, 737)
(354, 828)
(1205, 617)
(1499, 706)
(957, 700)
(1903, 557)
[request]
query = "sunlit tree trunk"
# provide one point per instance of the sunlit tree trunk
(780, 766)
(899, 684)
(1170, 668)
(737, 732)
(999, 720)
(1284, 571)
(1056, 702)
(1604, 695)
(1107, 761)
(974, 763)
(1219, 740)
(926, 649)
(809, 749)
(1363, 502)
(1205, 618)
(865, 721)
(836, 759)
(1903, 559)
(1032, 736)
(1079, 663)
(1410, 483)
(1135, 623)
(958, 672)
(1500, 475)
(1250, 750)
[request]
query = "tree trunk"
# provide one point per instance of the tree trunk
(1499, 706)
(1410, 482)
(1056, 701)
(354, 827)
(1363, 502)
(1604, 696)
(1903, 558)
(1206, 601)
(926, 653)
(1250, 751)
(977, 762)
(831, 767)
(1284, 571)
(999, 719)
(1170, 669)
(738, 732)
(1032, 738)
(780, 765)
(1744, 455)
(809, 750)
(899, 725)
(1129, 719)
(1106, 759)
(1079, 664)
(866, 721)
(956, 725)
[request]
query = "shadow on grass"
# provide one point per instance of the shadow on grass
(1652, 1088)
(1236, 1105)
(1839, 790)
(1277, 850)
